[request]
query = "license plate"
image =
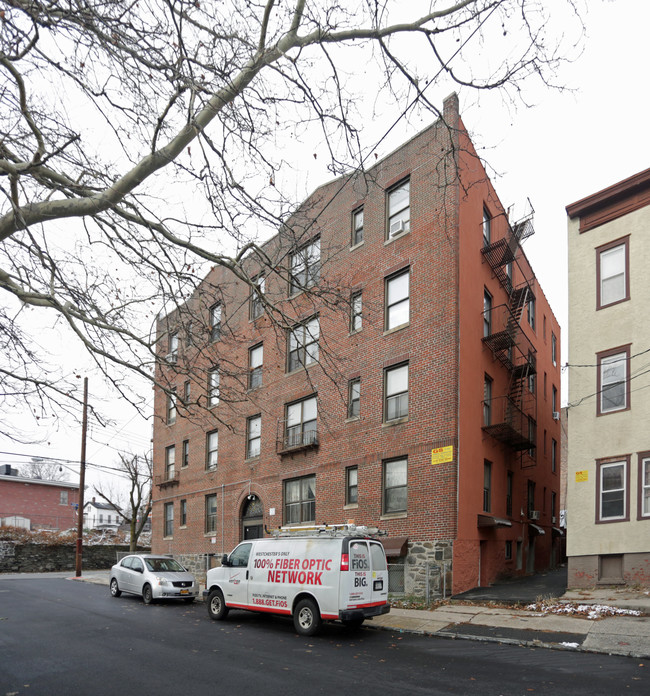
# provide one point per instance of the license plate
(185, 591)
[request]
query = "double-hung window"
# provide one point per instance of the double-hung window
(352, 486)
(213, 387)
(215, 322)
(302, 423)
(354, 398)
(173, 347)
(183, 515)
(613, 280)
(487, 401)
(613, 490)
(554, 349)
(396, 392)
(397, 299)
(303, 344)
(399, 209)
(530, 313)
(212, 449)
(170, 462)
(300, 500)
(613, 380)
(185, 454)
(169, 520)
(257, 302)
(394, 485)
(487, 314)
(210, 513)
(171, 407)
(644, 485)
(255, 361)
(356, 316)
(357, 227)
(487, 485)
(253, 436)
(305, 267)
(487, 228)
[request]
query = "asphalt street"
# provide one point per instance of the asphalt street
(60, 637)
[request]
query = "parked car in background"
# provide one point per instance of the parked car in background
(153, 577)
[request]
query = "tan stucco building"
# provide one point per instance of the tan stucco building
(608, 493)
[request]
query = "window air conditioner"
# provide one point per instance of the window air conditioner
(396, 227)
(534, 515)
(556, 415)
(171, 358)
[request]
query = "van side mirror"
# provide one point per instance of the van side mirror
(224, 560)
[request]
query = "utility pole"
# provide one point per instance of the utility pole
(82, 482)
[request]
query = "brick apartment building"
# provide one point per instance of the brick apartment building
(417, 390)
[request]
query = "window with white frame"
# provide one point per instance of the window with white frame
(356, 316)
(357, 227)
(63, 498)
(487, 314)
(303, 344)
(487, 401)
(183, 513)
(530, 312)
(213, 387)
(487, 228)
(215, 322)
(613, 285)
(257, 301)
(210, 513)
(397, 299)
(399, 209)
(302, 423)
(300, 500)
(170, 462)
(354, 397)
(253, 436)
(396, 392)
(173, 347)
(185, 454)
(186, 391)
(554, 349)
(394, 486)
(644, 486)
(351, 485)
(255, 362)
(613, 392)
(305, 267)
(171, 407)
(169, 520)
(212, 449)
(612, 489)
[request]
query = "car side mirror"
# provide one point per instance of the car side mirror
(225, 561)
(140, 570)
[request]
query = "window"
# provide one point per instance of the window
(644, 485)
(354, 398)
(612, 491)
(170, 462)
(487, 228)
(255, 361)
(487, 314)
(554, 349)
(553, 455)
(173, 347)
(171, 407)
(253, 436)
(532, 436)
(487, 485)
(183, 515)
(612, 276)
(185, 453)
(397, 300)
(394, 486)
(487, 401)
(305, 267)
(531, 383)
(356, 318)
(213, 387)
(186, 391)
(613, 381)
(212, 449)
(215, 322)
(396, 388)
(257, 301)
(63, 498)
(300, 500)
(169, 520)
(530, 313)
(210, 513)
(399, 209)
(544, 327)
(553, 507)
(508, 550)
(509, 482)
(101, 518)
(302, 423)
(357, 227)
(545, 384)
(189, 333)
(531, 498)
(351, 485)
(554, 400)
(303, 345)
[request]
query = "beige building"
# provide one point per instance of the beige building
(608, 492)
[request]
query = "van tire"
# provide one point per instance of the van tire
(217, 609)
(306, 618)
(352, 623)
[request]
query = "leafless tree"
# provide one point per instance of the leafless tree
(45, 469)
(142, 143)
(133, 507)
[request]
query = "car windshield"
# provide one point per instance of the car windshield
(162, 565)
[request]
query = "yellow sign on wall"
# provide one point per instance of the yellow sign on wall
(442, 455)
(582, 476)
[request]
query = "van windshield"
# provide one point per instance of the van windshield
(377, 556)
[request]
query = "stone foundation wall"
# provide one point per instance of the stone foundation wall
(428, 569)
(38, 558)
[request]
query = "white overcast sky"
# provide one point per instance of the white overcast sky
(563, 147)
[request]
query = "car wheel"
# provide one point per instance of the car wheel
(147, 594)
(115, 590)
(217, 608)
(353, 623)
(306, 618)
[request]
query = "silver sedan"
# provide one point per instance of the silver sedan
(153, 577)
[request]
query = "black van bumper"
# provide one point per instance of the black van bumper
(364, 612)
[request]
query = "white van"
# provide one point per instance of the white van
(313, 574)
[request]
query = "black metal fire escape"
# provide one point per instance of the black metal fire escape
(511, 418)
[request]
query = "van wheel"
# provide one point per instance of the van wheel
(217, 608)
(306, 618)
(353, 623)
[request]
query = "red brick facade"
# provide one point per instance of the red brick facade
(441, 342)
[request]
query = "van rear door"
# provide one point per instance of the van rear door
(379, 587)
(357, 582)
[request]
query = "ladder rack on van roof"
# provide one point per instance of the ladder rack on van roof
(330, 530)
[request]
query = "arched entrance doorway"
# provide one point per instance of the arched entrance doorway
(252, 518)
